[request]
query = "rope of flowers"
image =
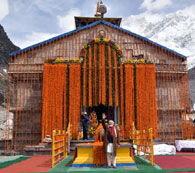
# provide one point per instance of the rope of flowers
(146, 97)
(71, 96)
(121, 95)
(90, 78)
(116, 78)
(100, 74)
(110, 76)
(139, 78)
(119, 102)
(63, 61)
(97, 70)
(81, 85)
(136, 61)
(84, 82)
(113, 76)
(59, 94)
(67, 94)
(92, 74)
(107, 74)
(103, 75)
(124, 92)
(77, 74)
(87, 78)
(95, 74)
(135, 95)
(129, 85)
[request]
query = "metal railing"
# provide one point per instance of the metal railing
(144, 142)
(60, 146)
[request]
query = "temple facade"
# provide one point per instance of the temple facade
(103, 67)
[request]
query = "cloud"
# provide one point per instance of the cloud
(66, 23)
(152, 5)
(138, 23)
(4, 9)
(33, 38)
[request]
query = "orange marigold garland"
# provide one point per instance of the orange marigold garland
(53, 98)
(110, 76)
(103, 74)
(146, 97)
(100, 73)
(84, 82)
(64, 95)
(122, 100)
(95, 74)
(129, 101)
(116, 78)
(90, 79)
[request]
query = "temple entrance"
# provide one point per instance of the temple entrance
(108, 110)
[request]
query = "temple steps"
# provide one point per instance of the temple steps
(74, 142)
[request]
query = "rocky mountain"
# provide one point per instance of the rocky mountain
(6, 47)
(175, 30)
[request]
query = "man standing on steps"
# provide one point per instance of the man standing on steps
(85, 122)
(111, 140)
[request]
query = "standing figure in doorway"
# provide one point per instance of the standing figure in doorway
(111, 140)
(85, 122)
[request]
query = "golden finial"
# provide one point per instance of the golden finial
(98, 14)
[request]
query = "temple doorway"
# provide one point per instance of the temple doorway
(108, 110)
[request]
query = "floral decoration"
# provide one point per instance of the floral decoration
(101, 41)
(136, 61)
(63, 61)
(93, 124)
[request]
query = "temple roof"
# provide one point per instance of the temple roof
(101, 21)
(84, 21)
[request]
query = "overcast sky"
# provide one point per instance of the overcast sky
(30, 21)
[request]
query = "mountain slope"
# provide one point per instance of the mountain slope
(6, 47)
(175, 30)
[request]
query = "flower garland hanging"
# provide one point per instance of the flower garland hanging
(63, 61)
(136, 61)
(102, 41)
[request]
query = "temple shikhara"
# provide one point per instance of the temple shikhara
(99, 67)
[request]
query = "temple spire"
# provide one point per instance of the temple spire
(98, 14)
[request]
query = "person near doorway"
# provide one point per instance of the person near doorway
(85, 122)
(111, 140)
